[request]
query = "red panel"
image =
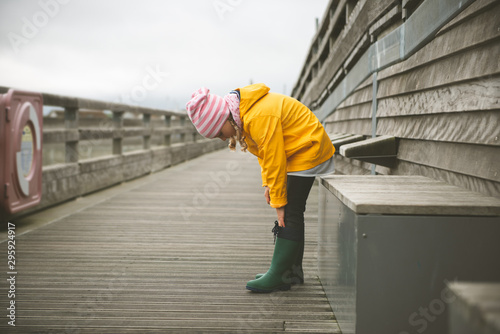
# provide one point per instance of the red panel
(21, 138)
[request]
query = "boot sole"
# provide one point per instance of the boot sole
(294, 281)
(278, 288)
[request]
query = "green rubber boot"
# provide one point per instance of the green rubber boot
(277, 277)
(297, 274)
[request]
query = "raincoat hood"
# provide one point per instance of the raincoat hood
(251, 94)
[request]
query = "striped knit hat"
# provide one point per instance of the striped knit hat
(208, 112)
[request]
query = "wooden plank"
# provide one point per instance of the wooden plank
(428, 18)
(60, 135)
(475, 307)
(359, 111)
(356, 126)
(474, 32)
(370, 12)
(471, 64)
(74, 102)
(389, 18)
(479, 185)
(346, 166)
(473, 9)
(478, 94)
(69, 181)
(382, 146)
(471, 31)
(337, 7)
(410, 3)
(171, 252)
(414, 195)
(361, 95)
(478, 127)
(347, 140)
(359, 49)
(459, 158)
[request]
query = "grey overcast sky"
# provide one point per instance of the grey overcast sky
(153, 53)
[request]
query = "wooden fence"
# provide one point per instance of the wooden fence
(160, 139)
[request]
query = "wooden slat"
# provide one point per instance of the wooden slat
(473, 32)
(479, 185)
(482, 163)
(475, 306)
(363, 94)
(474, 9)
(357, 126)
(480, 94)
(370, 12)
(172, 254)
(358, 111)
(346, 166)
(408, 195)
(479, 127)
(484, 57)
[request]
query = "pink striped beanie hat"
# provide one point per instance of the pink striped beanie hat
(208, 112)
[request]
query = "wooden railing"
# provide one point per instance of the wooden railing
(162, 138)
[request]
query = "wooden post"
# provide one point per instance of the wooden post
(71, 117)
(195, 135)
(117, 134)
(167, 140)
(146, 119)
(374, 112)
(349, 6)
(183, 133)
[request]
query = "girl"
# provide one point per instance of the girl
(292, 148)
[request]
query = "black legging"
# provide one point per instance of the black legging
(298, 188)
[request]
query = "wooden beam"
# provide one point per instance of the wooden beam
(337, 143)
(380, 150)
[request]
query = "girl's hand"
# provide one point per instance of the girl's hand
(281, 216)
(279, 211)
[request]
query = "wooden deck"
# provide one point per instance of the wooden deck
(170, 252)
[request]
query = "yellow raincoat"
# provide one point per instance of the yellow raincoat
(284, 135)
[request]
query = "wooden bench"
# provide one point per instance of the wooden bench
(388, 245)
(475, 308)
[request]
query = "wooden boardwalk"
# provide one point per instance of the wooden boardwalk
(170, 252)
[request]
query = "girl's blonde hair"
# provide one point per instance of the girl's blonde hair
(239, 136)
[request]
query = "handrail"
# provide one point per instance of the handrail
(71, 132)
(82, 103)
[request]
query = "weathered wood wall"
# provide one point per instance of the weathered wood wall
(442, 103)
